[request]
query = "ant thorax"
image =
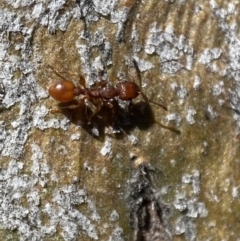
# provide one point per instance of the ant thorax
(108, 92)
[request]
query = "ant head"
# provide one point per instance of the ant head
(128, 90)
(62, 91)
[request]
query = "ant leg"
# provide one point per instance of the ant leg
(111, 106)
(54, 111)
(73, 75)
(101, 83)
(82, 81)
(88, 105)
(71, 107)
(99, 107)
(99, 75)
(57, 73)
(149, 100)
(114, 111)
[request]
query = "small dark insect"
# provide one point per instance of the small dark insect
(104, 92)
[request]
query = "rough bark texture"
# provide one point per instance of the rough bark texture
(125, 177)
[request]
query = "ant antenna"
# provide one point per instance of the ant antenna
(168, 128)
(149, 100)
(139, 76)
(140, 86)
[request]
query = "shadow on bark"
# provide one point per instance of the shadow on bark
(117, 121)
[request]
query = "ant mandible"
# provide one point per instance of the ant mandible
(65, 91)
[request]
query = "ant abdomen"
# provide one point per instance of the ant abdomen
(62, 91)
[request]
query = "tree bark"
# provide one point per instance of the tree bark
(135, 171)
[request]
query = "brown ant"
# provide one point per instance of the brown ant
(102, 94)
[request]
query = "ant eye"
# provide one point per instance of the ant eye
(62, 91)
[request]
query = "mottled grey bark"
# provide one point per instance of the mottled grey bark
(62, 179)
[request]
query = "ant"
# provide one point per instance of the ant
(102, 94)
